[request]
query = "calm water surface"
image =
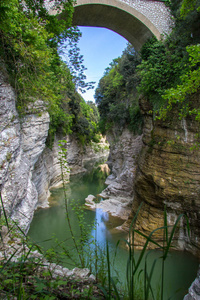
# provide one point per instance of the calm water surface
(49, 228)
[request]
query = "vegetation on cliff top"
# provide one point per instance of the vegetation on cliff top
(173, 64)
(116, 93)
(165, 71)
(32, 41)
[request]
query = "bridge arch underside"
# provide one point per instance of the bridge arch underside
(124, 20)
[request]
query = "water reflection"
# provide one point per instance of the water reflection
(180, 269)
(101, 230)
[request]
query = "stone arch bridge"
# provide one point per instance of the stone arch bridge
(135, 20)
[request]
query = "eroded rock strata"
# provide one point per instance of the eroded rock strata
(168, 175)
(21, 143)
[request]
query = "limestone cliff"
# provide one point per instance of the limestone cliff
(168, 175)
(124, 150)
(28, 169)
(21, 143)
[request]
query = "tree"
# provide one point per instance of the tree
(116, 92)
(190, 80)
(166, 64)
(187, 6)
(32, 42)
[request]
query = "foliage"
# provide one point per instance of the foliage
(32, 277)
(30, 38)
(166, 72)
(135, 119)
(116, 92)
(188, 6)
(94, 113)
(26, 274)
(160, 68)
(85, 119)
(190, 83)
(32, 41)
(172, 64)
(75, 60)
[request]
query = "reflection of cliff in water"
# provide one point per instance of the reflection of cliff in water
(52, 222)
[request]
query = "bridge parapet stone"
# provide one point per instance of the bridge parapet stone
(156, 11)
(135, 20)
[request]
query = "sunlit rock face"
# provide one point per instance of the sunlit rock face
(168, 176)
(124, 150)
(47, 173)
(21, 143)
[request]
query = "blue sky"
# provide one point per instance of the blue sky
(99, 46)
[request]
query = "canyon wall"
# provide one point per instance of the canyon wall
(124, 150)
(168, 176)
(160, 168)
(47, 172)
(22, 141)
(28, 169)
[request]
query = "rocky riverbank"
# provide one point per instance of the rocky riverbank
(122, 161)
(41, 277)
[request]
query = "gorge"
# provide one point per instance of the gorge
(149, 111)
(23, 144)
(26, 162)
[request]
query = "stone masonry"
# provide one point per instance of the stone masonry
(135, 20)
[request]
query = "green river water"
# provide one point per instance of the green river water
(49, 228)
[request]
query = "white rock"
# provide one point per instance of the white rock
(124, 151)
(90, 200)
(22, 142)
